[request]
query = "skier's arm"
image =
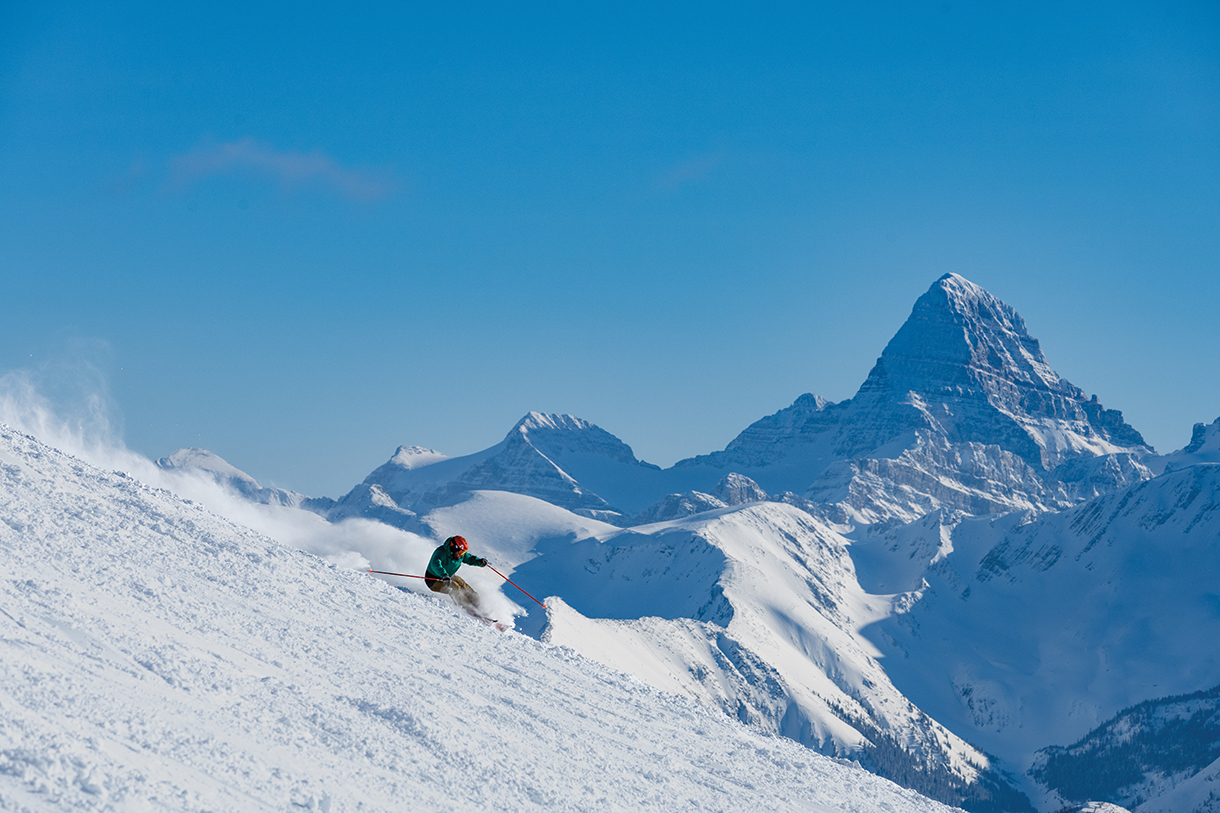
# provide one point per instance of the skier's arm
(471, 559)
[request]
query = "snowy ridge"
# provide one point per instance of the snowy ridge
(962, 411)
(155, 656)
(755, 610)
(550, 457)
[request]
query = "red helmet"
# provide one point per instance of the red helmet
(457, 545)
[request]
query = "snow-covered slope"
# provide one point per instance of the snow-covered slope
(1031, 631)
(755, 610)
(156, 657)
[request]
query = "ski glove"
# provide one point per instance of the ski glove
(480, 562)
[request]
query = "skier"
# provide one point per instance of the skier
(440, 578)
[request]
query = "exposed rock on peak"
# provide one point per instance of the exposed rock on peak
(371, 502)
(677, 506)
(962, 410)
(561, 435)
(1204, 438)
(736, 489)
(772, 440)
(562, 459)
(963, 364)
(1204, 447)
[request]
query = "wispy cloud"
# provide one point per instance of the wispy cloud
(291, 170)
(689, 171)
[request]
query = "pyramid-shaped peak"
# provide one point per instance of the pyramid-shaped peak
(960, 287)
(972, 303)
(958, 331)
(557, 435)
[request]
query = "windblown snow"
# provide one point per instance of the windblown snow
(154, 656)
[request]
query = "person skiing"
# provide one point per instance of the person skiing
(445, 561)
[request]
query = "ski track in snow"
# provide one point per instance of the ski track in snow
(156, 657)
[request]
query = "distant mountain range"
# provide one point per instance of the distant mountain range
(966, 565)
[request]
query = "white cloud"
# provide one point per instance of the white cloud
(290, 170)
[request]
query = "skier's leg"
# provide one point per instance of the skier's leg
(465, 594)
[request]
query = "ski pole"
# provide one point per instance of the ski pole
(406, 575)
(514, 584)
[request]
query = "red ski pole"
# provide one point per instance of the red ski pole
(514, 584)
(404, 575)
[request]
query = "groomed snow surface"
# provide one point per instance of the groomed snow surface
(154, 657)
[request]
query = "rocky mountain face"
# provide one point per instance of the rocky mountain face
(1204, 447)
(550, 457)
(961, 411)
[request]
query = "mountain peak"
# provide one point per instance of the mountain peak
(552, 421)
(959, 287)
(210, 463)
(1204, 436)
(201, 462)
(960, 335)
(964, 367)
(414, 457)
(560, 435)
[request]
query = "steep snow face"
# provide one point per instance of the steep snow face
(371, 502)
(755, 610)
(987, 651)
(154, 657)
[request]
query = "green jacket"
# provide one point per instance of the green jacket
(443, 564)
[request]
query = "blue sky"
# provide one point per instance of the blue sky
(300, 235)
